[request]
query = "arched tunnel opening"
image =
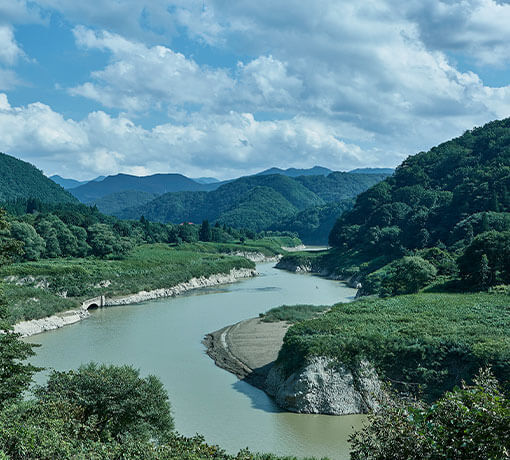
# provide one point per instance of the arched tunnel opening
(93, 306)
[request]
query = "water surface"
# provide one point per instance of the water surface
(164, 337)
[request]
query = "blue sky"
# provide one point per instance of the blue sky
(217, 88)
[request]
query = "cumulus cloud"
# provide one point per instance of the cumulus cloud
(224, 145)
(476, 28)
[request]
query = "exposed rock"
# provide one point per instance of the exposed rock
(36, 326)
(324, 386)
(291, 266)
(257, 256)
(194, 283)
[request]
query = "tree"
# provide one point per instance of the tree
(50, 237)
(33, 244)
(466, 423)
(204, 233)
(15, 373)
(403, 276)
(114, 399)
(104, 242)
(484, 271)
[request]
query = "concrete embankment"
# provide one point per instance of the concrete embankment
(37, 326)
(249, 350)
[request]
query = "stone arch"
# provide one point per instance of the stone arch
(93, 306)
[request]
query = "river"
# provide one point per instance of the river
(164, 337)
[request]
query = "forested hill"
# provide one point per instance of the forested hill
(441, 199)
(255, 202)
(21, 180)
(156, 183)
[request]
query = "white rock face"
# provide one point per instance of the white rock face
(194, 283)
(325, 387)
(36, 326)
(256, 256)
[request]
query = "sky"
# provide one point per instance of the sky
(226, 88)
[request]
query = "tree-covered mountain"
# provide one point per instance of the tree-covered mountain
(294, 172)
(314, 224)
(72, 183)
(453, 199)
(387, 171)
(156, 183)
(110, 204)
(21, 180)
(259, 202)
(338, 186)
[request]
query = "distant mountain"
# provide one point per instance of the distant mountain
(206, 180)
(19, 179)
(115, 202)
(293, 172)
(157, 183)
(72, 183)
(254, 197)
(387, 171)
(259, 202)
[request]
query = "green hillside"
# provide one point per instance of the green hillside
(443, 213)
(339, 185)
(283, 194)
(314, 224)
(263, 202)
(21, 180)
(111, 204)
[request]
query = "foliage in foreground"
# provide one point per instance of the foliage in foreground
(101, 412)
(471, 422)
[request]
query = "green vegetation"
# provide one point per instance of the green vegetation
(430, 341)
(104, 413)
(454, 198)
(466, 423)
(261, 202)
(114, 202)
(15, 373)
(292, 313)
(19, 179)
(98, 411)
(314, 224)
(38, 289)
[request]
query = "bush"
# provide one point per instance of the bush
(468, 423)
(404, 276)
(115, 401)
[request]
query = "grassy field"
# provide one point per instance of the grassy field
(292, 313)
(430, 341)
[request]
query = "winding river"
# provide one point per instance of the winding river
(164, 337)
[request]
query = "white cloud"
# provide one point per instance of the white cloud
(476, 28)
(10, 51)
(139, 77)
(221, 145)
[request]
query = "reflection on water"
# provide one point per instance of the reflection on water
(164, 338)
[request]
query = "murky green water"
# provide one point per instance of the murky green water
(164, 338)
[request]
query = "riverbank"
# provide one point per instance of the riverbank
(247, 349)
(49, 287)
(37, 326)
